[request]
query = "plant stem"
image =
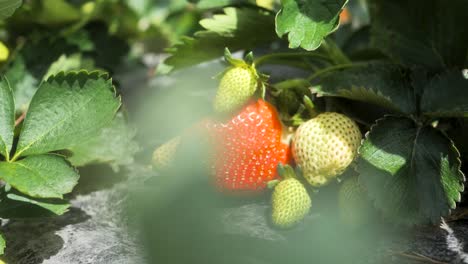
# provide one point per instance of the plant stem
(291, 83)
(293, 63)
(335, 67)
(20, 119)
(274, 56)
(334, 52)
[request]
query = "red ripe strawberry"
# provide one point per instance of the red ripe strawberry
(248, 148)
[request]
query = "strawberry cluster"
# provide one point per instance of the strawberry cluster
(252, 150)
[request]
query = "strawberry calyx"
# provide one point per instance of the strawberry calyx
(293, 99)
(284, 172)
(248, 63)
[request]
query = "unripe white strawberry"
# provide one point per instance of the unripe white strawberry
(325, 146)
(290, 201)
(164, 155)
(237, 86)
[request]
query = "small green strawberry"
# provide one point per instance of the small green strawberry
(164, 155)
(238, 84)
(290, 201)
(325, 146)
(353, 203)
(288, 101)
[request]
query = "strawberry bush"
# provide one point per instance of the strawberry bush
(371, 93)
(403, 80)
(60, 107)
(364, 101)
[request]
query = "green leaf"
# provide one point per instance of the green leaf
(7, 118)
(41, 176)
(16, 205)
(114, 144)
(66, 109)
(22, 82)
(69, 63)
(8, 7)
(457, 132)
(382, 84)
(81, 40)
(141, 7)
(307, 23)
(55, 12)
(429, 33)
(42, 57)
(237, 28)
(412, 172)
(445, 95)
(2, 244)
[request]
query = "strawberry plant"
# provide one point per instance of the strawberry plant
(364, 101)
(58, 118)
(368, 93)
(60, 109)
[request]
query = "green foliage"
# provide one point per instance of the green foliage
(427, 33)
(7, 7)
(42, 53)
(2, 244)
(67, 63)
(7, 120)
(408, 58)
(55, 96)
(65, 109)
(57, 12)
(408, 61)
(40, 176)
(209, 4)
(61, 107)
(445, 95)
(231, 29)
(17, 205)
(419, 167)
(383, 84)
(307, 23)
(22, 82)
